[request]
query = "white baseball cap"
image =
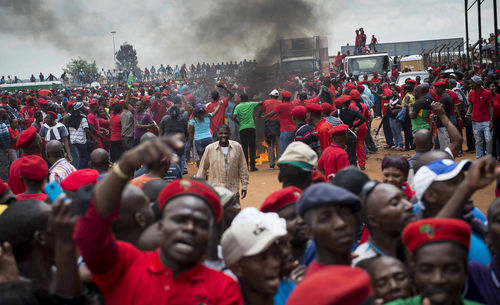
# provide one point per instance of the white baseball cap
(274, 92)
(251, 233)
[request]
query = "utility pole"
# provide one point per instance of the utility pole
(114, 51)
(480, 36)
(495, 21)
(467, 32)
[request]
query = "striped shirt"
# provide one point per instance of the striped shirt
(60, 170)
(307, 134)
(78, 136)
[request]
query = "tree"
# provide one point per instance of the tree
(126, 57)
(76, 66)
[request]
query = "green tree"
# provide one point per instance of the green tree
(75, 66)
(126, 57)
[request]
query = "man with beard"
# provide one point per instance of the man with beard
(283, 203)
(328, 211)
(172, 274)
(250, 251)
(438, 248)
(386, 213)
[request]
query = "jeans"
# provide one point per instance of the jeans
(201, 144)
(408, 133)
(272, 136)
(370, 143)
(396, 129)
(482, 135)
(286, 137)
(386, 126)
(351, 148)
(247, 137)
(81, 154)
(115, 150)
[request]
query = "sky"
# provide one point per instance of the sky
(43, 35)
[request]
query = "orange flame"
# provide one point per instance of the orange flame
(261, 153)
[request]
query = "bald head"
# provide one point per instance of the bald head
(147, 136)
(99, 160)
(423, 140)
(430, 156)
(55, 151)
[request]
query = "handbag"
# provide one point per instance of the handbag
(401, 116)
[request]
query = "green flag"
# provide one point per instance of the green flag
(130, 79)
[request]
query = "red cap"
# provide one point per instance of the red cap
(3, 187)
(360, 88)
(286, 94)
(314, 108)
(431, 230)
(299, 111)
(79, 178)
(338, 130)
(440, 84)
(333, 285)
(317, 176)
(26, 137)
(341, 100)
(33, 167)
(280, 199)
(327, 108)
(42, 101)
(52, 113)
(350, 86)
(181, 187)
(354, 94)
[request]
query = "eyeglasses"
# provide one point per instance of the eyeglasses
(368, 187)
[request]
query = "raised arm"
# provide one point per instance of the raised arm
(224, 87)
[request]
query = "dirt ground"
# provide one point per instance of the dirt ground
(265, 181)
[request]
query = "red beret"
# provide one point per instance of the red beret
(33, 167)
(145, 99)
(26, 137)
(280, 199)
(360, 88)
(79, 178)
(375, 73)
(93, 102)
(440, 84)
(327, 108)
(299, 111)
(42, 101)
(333, 285)
(350, 86)
(338, 130)
(365, 75)
(431, 230)
(52, 113)
(318, 177)
(181, 187)
(341, 100)
(286, 94)
(314, 108)
(411, 81)
(354, 94)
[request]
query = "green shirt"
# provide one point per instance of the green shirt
(244, 111)
(417, 300)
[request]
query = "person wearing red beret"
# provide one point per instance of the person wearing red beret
(354, 120)
(34, 171)
(31, 143)
(439, 245)
(287, 128)
(305, 132)
(272, 127)
(334, 157)
(172, 274)
(28, 112)
(358, 105)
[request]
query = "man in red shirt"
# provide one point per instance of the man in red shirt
(287, 128)
(173, 274)
(481, 112)
(272, 127)
(334, 157)
(115, 127)
(218, 118)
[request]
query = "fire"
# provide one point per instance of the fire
(261, 151)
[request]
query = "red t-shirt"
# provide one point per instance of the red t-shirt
(217, 119)
(285, 116)
(115, 126)
(496, 106)
(333, 159)
(480, 104)
(322, 128)
(126, 275)
(313, 267)
(454, 99)
(13, 134)
(38, 196)
(270, 105)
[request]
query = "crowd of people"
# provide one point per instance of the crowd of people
(131, 226)
(360, 46)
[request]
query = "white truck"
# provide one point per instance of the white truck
(367, 64)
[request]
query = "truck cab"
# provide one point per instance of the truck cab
(367, 64)
(304, 56)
